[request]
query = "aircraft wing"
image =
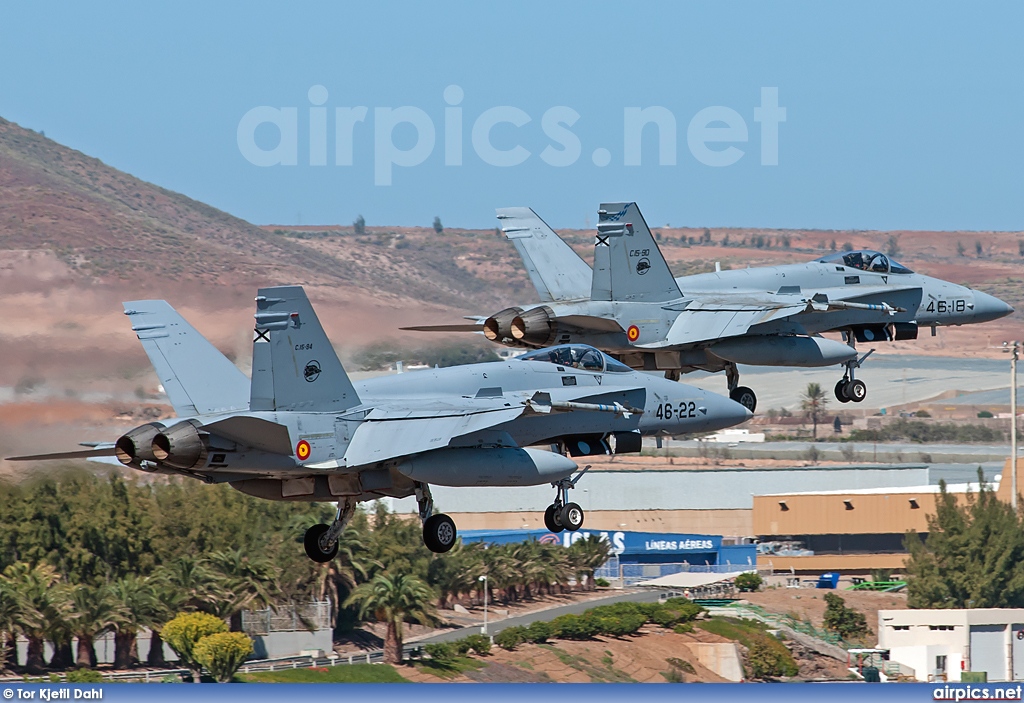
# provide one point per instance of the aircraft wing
(706, 320)
(718, 317)
(404, 428)
(393, 433)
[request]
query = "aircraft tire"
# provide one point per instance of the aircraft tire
(841, 392)
(856, 390)
(551, 520)
(571, 517)
(745, 397)
(439, 533)
(311, 542)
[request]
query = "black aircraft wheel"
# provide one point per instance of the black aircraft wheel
(857, 391)
(311, 542)
(551, 520)
(439, 533)
(745, 397)
(841, 391)
(571, 517)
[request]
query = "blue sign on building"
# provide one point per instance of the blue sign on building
(633, 547)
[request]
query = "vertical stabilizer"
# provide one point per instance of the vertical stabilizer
(636, 270)
(294, 366)
(555, 269)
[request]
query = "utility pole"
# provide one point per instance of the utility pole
(1014, 349)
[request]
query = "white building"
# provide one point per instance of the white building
(940, 644)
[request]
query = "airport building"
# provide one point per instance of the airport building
(637, 547)
(940, 644)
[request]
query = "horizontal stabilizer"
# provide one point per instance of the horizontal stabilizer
(82, 454)
(445, 328)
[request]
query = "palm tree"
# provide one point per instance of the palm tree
(393, 599)
(813, 402)
(170, 601)
(9, 610)
(195, 580)
(137, 608)
(93, 612)
(586, 555)
(40, 604)
(246, 582)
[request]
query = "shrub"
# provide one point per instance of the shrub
(538, 632)
(481, 644)
(621, 625)
(985, 414)
(767, 659)
(748, 582)
(603, 583)
(184, 632)
(442, 652)
(84, 676)
(222, 653)
(462, 646)
(845, 622)
(576, 627)
(510, 638)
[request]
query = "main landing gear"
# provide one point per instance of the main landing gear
(563, 515)
(741, 394)
(849, 388)
(321, 541)
(439, 531)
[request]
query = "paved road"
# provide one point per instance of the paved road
(644, 596)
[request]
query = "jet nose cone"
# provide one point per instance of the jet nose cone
(988, 307)
(724, 412)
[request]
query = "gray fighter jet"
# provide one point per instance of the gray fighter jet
(301, 430)
(631, 306)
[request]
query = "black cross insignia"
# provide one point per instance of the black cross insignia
(261, 334)
(602, 241)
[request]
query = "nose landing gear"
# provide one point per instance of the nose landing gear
(563, 515)
(849, 388)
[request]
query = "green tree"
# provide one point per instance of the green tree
(845, 622)
(814, 402)
(973, 556)
(359, 226)
(586, 555)
(9, 611)
(185, 631)
(93, 612)
(41, 603)
(137, 607)
(246, 583)
(393, 599)
(892, 246)
(960, 249)
(749, 581)
(222, 653)
(438, 227)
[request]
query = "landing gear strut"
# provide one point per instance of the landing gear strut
(439, 531)
(741, 394)
(321, 541)
(563, 515)
(849, 388)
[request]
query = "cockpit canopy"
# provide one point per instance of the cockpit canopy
(578, 356)
(865, 260)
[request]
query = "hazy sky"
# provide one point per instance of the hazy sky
(896, 115)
